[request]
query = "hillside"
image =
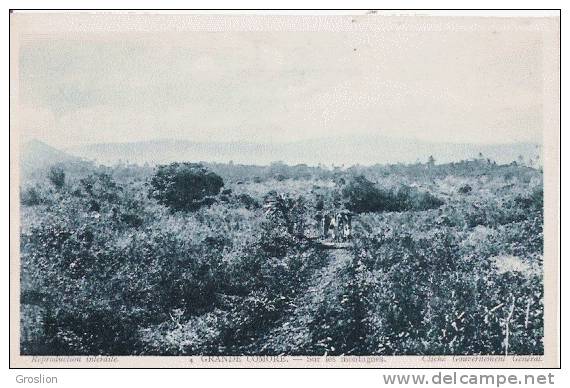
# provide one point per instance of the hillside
(36, 153)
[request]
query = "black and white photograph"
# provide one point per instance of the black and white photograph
(219, 189)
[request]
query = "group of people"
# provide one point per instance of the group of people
(337, 226)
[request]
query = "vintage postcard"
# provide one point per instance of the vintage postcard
(284, 189)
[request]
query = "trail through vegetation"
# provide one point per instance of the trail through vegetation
(293, 332)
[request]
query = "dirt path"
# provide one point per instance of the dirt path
(293, 331)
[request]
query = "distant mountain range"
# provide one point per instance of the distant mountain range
(337, 151)
(35, 154)
(366, 150)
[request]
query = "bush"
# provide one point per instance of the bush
(100, 186)
(362, 196)
(31, 197)
(287, 212)
(248, 201)
(465, 189)
(57, 177)
(535, 200)
(185, 186)
(412, 199)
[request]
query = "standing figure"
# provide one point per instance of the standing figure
(326, 220)
(340, 226)
(347, 231)
(332, 227)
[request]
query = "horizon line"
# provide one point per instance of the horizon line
(172, 139)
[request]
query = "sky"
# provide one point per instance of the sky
(460, 86)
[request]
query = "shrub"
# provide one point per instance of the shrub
(535, 200)
(31, 197)
(362, 196)
(286, 211)
(185, 186)
(56, 176)
(101, 186)
(465, 189)
(411, 199)
(248, 201)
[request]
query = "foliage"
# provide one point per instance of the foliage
(107, 269)
(56, 176)
(31, 196)
(185, 186)
(362, 196)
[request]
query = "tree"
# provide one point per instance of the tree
(287, 210)
(57, 177)
(283, 225)
(185, 186)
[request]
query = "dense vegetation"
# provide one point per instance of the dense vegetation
(220, 259)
